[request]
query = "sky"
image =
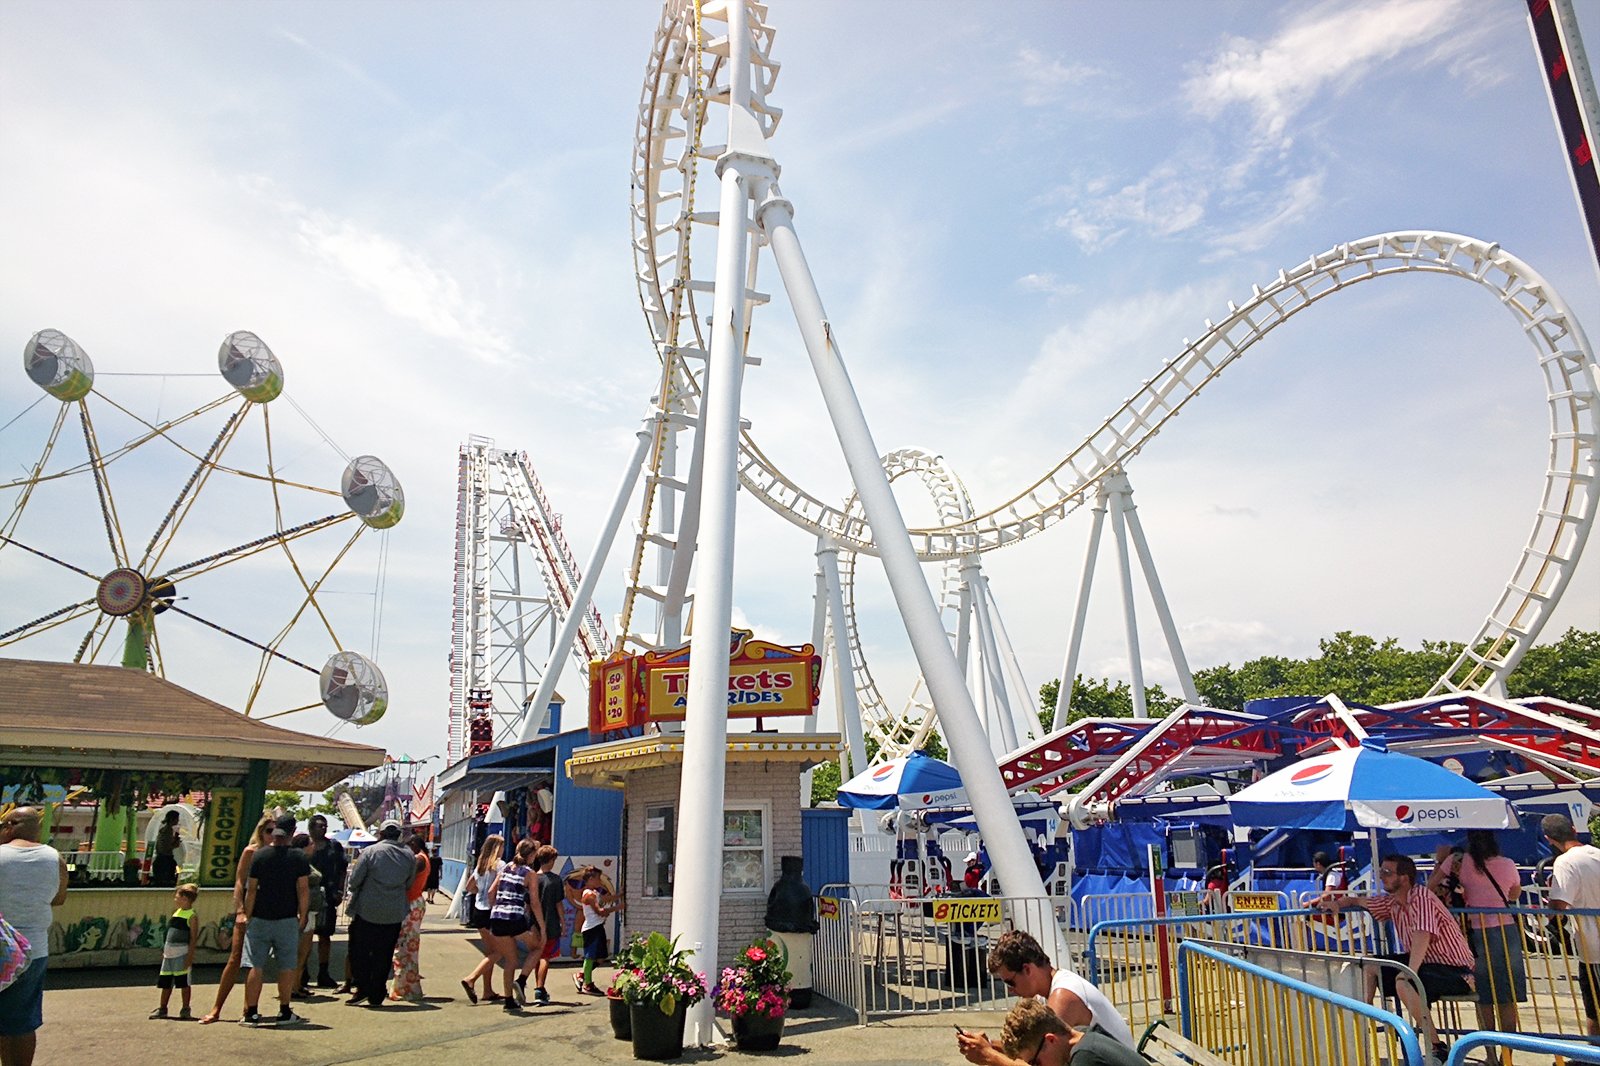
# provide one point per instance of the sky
(1015, 214)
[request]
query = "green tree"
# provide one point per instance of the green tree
(1101, 698)
(292, 803)
(1568, 669)
(825, 783)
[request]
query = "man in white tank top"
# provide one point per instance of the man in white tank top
(33, 878)
(1018, 961)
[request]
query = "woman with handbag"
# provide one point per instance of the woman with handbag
(1489, 881)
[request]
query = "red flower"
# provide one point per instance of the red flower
(755, 954)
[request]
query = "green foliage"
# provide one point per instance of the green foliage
(1356, 667)
(825, 783)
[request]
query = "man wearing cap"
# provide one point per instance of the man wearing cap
(973, 876)
(277, 899)
(376, 907)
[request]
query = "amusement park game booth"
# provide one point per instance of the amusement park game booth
(98, 743)
(639, 701)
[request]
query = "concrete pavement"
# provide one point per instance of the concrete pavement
(98, 1018)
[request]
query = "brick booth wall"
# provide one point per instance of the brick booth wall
(741, 917)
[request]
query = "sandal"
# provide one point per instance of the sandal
(207, 1019)
(472, 993)
(492, 997)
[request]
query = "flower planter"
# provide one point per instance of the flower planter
(757, 1032)
(655, 1035)
(621, 1018)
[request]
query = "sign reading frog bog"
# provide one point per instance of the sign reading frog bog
(764, 681)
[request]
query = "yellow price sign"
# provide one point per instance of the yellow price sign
(1253, 901)
(827, 907)
(967, 910)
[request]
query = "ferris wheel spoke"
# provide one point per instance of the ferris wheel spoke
(102, 488)
(244, 639)
(59, 562)
(48, 621)
(190, 493)
(219, 559)
(291, 710)
(312, 587)
(163, 429)
(191, 487)
(32, 481)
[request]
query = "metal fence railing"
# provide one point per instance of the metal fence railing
(1248, 1015)
(1499, 1045)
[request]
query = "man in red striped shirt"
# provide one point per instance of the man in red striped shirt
(1434, 947)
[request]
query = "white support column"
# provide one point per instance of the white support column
(998, 705)
(1129, 617)
(1069, 670)
(1169, 628)
(536, 711)
(697, 886)
(964, 623)
(844, 682)
(1026, 712)
(819, 634)
(958, 718)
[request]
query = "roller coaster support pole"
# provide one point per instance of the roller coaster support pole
(1119, 501)
(993, 677)
(844, 682)
(1069, 669)
(697, 893)
(534, 716)
(964, 625)
(1026, 714)
(1169, 628)
(958, 718)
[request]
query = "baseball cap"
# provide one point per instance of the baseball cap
(972, 856)
(388, 824)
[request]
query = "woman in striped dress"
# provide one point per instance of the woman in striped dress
(513, 919)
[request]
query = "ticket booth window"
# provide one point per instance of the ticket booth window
(659, 845)
(744, 850)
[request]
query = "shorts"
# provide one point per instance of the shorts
(479, 918)
(1588, 983)
(274, 938)
(1502, 975)
(595, 944)
(508, 927)
(173, 980)
(552, 947)
(22, 1001)
(1438, 981)
(328, 919)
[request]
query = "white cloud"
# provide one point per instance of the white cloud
(1047, 283)
(1325, 48)
(1165, 202)
(1046, 79)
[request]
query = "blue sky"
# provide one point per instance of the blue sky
(1015, 214)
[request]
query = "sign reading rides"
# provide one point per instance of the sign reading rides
(764, 681)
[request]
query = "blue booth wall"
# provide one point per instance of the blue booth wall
(825, 845)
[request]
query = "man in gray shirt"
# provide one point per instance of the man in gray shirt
(33, 878)
(376, 906)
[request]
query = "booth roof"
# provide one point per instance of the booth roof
(606, 765)
(70, 714)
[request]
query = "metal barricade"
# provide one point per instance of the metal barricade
(836, 970)
(1501, 1043)
(1250, 1016)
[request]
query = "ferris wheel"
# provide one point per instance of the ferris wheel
(711, 68)
(102, 559)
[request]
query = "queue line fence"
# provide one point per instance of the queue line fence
(1246, 1014)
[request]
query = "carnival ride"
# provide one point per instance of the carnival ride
(137, 586)
(711, 68)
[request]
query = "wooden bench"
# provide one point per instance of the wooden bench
(1163, 1044)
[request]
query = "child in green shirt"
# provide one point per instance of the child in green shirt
(177, 951)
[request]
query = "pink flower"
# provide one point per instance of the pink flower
(756, 954)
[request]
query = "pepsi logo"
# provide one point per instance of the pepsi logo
(1404, 813)
(883, 771)
(1308, 775)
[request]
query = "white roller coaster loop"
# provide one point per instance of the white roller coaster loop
(682, 82)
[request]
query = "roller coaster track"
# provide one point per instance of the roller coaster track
(686, 77)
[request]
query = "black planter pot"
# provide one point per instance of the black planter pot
(621, 1019)
(655, 1035)
(757, 1032)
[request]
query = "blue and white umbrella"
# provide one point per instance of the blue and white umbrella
(1369, 787)
(911, 782)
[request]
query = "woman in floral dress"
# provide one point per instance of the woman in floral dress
(407, 977)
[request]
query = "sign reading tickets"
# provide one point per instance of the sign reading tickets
(1253, 901)
(967, 910)
(224, 830)
(827, 907)
(764, 681)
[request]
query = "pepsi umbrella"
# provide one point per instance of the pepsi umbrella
(912, 781)
(1369, 787)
